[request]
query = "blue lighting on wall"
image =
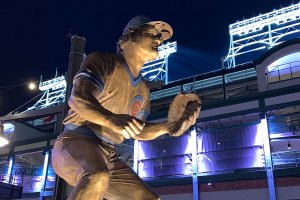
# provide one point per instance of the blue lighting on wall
(9, 170)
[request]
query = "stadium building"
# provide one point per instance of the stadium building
(245, 144)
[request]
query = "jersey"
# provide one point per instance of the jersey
(120, 92)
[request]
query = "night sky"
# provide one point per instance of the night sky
(35, 35)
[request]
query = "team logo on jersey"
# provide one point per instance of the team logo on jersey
(135, 106)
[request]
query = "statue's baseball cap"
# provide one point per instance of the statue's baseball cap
(162, 27)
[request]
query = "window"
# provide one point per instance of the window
(285, 68)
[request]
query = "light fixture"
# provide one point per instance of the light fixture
(3, 140)
(32, 86)
(289, 145)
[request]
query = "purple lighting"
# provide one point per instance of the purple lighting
(230, 149)
(164, 157)
(216, 150)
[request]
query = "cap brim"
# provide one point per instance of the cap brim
(163, 28)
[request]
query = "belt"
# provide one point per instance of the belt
(82, 130)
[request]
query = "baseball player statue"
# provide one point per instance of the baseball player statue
(109, 103)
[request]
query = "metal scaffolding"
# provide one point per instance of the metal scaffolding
(54, 93)
(157, 70)
(260, 33)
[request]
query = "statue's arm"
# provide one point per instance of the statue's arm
(152, 131)
(85, 104)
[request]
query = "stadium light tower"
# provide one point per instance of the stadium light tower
(260, 33)
(157, 70)
(54, 93)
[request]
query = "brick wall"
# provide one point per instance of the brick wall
(228, 185)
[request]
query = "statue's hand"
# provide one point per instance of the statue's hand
(183, 113)
(125, 125)
(188, 118)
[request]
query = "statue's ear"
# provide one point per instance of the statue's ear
(132, 39)
(123, 44)
(123, 41)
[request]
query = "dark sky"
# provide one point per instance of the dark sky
(35, 35)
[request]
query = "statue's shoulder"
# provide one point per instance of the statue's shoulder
(102, 62)
(105, 57)
(101, 55)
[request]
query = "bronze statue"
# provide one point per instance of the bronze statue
(109, 103)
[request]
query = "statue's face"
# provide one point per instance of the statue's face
(147, 41)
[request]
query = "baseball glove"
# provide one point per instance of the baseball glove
(183, 112)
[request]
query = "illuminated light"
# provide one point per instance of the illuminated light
(202, 167)
(189, 145)
(45, 164)
(280, 135)
(50, 178)
(200, 157)
(142, 173)
(285, 62)
(9, 170)
(136, 156)
(284, 68)
(194, 150)
(37, 178)
(55, 83)
(146, 161)
(8, 129)
(54, 93)
(194, 163)
(36, 187)
(218, 143)
(264, 30)
(31, 86)
(141, 154)
(188, 170)
(201, 162)
(3, 140)
(259, 139)
(263, 129)
(10, 166)
(259, 158)
(44, 175)
(152, 77)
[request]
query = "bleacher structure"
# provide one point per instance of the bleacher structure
(54, 92)
(254, 36)
(157, 70)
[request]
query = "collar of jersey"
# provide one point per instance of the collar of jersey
(134, 80)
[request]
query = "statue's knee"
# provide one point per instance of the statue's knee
(101, 177)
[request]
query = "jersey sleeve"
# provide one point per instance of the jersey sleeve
(95, 68)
